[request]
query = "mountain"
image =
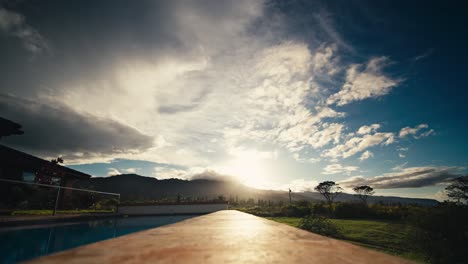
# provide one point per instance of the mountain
(346, 197)
(136, 187)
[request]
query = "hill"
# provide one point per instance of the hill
(136, 187)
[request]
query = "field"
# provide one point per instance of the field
(387, 236)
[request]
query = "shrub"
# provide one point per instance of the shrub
(442, 233)
(320, 225)
(352, 210)
(321, 209)
(293, 210)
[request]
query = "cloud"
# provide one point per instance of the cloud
(300, 159)
(367, 154)
(191, 84)
(14, 24)
(406, 131)
(401, 155)
(327, 24)
(113, 172)
(212, 175)
(364, 82)
(170, 173)
(338, 168)
(413, 177)
(358, 144)
(400, 167)
(368, 129)
(130, 170)
(54, 129)
(298, 185)
(425, 134)
(424, 55)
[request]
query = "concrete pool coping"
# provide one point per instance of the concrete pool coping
(222, 237)
(26, 220)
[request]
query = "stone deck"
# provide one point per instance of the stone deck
(223, 237)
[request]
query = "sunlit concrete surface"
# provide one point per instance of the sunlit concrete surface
(222, 237)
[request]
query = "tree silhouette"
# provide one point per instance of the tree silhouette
(458, 189)
(57, 160)
(329, 189)
(363, 192)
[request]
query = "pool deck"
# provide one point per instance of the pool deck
(222, 237)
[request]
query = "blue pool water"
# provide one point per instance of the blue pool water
(18, 244)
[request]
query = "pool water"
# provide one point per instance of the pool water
(19, 244)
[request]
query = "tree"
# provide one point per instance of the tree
(329, 189)
(57, 160)
(363, 192)
(458, 189)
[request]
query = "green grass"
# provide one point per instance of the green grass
(390, 237)
(49, 212)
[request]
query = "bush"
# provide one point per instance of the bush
(321, 209)
(293, 210)
(442, 233)
(352, 210)
(320, 225)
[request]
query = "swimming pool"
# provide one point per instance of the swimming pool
(19, 244)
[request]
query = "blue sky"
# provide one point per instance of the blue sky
(278, 94)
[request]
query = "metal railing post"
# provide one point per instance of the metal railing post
(56, 201)
(117, 206)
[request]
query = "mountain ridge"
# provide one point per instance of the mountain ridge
(138, 187)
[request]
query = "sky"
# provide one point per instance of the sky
(276, 94)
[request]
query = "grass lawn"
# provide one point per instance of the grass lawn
(49, 212)
(390, 237)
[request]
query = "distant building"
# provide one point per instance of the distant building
(20, 166)
(8, 128)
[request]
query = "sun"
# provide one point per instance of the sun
(248, 168)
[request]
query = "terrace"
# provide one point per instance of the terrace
(226, 236)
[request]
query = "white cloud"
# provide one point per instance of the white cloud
(113, 172)
(368, 129)
(14, 24)
(338, 168)
(400, 167)
(415, 131)
(367, 154)
(299, 185)
(169, 173)
(222, 94)
(413, 177)
(364, 82)
(130, 170)
(401, 155)
(300, 159)
(412, 131)
(358, 144)
(425, 134)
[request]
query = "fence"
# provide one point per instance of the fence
(21, 197)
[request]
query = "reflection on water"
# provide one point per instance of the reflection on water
(22, 244)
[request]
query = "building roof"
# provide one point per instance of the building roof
(8, 127)
(16, 158)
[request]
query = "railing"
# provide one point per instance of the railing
(60, 188)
